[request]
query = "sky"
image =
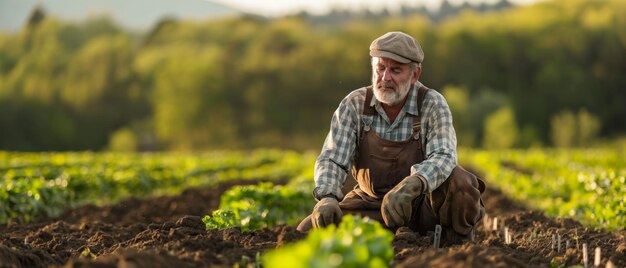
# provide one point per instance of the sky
(143, 14)
(132, 14)
(282, 7)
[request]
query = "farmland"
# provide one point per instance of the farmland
(234, 208)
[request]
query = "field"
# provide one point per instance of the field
(148, 210)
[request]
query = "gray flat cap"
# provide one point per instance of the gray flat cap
(397, 46)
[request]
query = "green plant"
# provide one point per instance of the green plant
(258, 206)
(356, 242)
(35, 185)
(221, 219)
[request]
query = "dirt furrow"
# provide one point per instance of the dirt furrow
(168, 232)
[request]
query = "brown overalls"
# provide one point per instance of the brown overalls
(381, 164)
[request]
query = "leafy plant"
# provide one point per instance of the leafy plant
(356, 242)
(258, 206)
(221, 219)
(34, 185)
(581, 183)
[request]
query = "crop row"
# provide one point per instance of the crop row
(355, 242)
(252, 207)
(44, 184)
(586, 184)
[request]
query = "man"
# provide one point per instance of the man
(398, 139)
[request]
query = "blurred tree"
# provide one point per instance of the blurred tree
(564, 129)
(500, 130)
(276, 82)
(41, 61)
(483, 104)
(98, 88)
(588, 128)
(123, 140)
(458, 100)
(190, 111)
(37, 15)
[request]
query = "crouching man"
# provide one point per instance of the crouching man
(397, 138)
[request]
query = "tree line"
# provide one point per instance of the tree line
(545, 74)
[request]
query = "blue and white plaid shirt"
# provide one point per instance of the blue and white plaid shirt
(335, 160)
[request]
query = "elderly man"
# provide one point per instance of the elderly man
(398, 139)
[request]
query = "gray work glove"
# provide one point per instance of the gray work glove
(326, 212)
(397, 203)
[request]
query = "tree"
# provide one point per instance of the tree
(500, 130)
(563, 129)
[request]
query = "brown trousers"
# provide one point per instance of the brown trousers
(455, 204)
(381, 164)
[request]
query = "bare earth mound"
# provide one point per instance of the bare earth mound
(168, 232)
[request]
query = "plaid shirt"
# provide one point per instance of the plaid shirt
(336, 158)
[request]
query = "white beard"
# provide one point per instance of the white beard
(390, 94)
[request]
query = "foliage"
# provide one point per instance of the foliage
(259, 206)
(221, 219)
(123, 140)
(586, 184)
(588, 128)
(563, 129)
(458, 99)
(500, 130)
(569, 130)
(44, 184)
(242, 82)
(355, 242)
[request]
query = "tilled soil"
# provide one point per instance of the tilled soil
(169, 232)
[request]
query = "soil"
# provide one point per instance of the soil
(168, 231)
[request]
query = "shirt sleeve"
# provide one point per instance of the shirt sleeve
(335, 160)
(440, 142)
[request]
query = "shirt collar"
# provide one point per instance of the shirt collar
(412, 100)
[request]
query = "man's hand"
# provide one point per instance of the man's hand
(397, 203)
(326, 212)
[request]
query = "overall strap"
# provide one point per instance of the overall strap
(367, 109)
(417, 120)
(421, 95)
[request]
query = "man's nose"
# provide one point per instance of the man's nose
(386, 75)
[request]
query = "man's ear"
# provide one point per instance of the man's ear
(416, 75)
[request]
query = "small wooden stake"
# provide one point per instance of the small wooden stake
(506, 235)
(585, 259)
(437, 235)
(558, 244)
(596, 261)
(553, 241)
(486, 223)
(495, 224)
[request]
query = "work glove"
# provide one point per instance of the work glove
(326, 212)
(397, 203)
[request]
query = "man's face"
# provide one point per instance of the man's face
(391, 80)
